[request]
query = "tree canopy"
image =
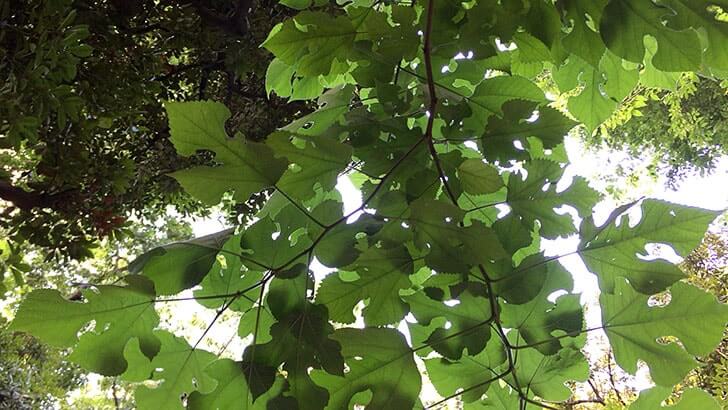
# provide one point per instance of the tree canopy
(449, 117)
(84, 137)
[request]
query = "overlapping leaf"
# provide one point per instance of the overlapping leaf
(180, 368)
(536, 198)
(382, 274)
(471, 370)
(694, 317)
(379, 360)
(243, 167)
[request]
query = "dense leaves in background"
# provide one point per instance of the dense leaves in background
(434, 109)
(35, 375)
(682, 129)
(84, 140)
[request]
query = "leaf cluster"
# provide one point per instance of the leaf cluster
(435, 109)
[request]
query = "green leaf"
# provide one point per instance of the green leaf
(612, 250)
(492, 93)
(379, 360)
(120, 314)
(243, 167)
(180, 370)
(591, 106)
(633, 328)
(498, 397)
(518, 124)
(625, 24)
(691, 398)
(479, 178)
(338, 246)
(698, 15)
(180, 265)
(531, 49)
(273, 243)
(542, 323)
(228, 276)
(382, 274)
(531, 202)
(231, 392)
(546, 376)
(314, 160)
(582, 41)
(300, 341)
(278, 78)
(312, 42)
(469, 318)
(452, 248)
(471, 370)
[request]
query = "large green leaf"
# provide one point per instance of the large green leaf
(692, 398)
(228, 276)
(625, 23)
(314, 160)
(467, 319)
(379, 360)
(541, 322)
(698, 15)
(180, 370)
(382, 274)
(498, 397)
(694, 317)
(471, 370)
(492, 93)
(231, 392)
(273, 242)
(312, 42)
(518, 125)
(300, 340)
(612, 250)
(243, 167)
(119, 314)
(546, 376)
(452, 247)
(180, 265)
(478, 177)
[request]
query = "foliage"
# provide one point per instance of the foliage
(407, 96)
(33, 375)
(706, 268)
(84, 141)
(36, 375)
(683, 130)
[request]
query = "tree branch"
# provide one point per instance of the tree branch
(28, 200)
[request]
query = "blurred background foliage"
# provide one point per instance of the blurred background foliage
(83, 138)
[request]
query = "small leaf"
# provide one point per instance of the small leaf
(477, 177)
